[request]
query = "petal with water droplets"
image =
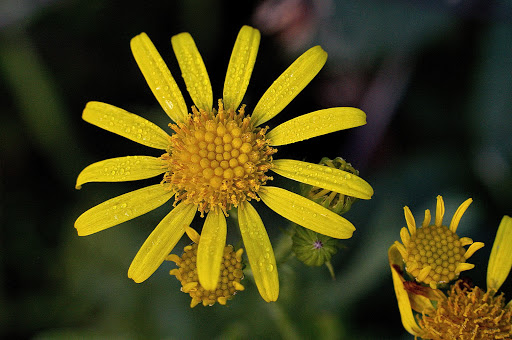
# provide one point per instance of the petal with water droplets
(193, 70)
(161, 242)
(211, 248)
(315, 124)
(259, 251)
(121, 209)
(240, 66)
(126, 124)
(306, 213)
(289, 84)
(121, 169)
(324, 177)
(159, 78)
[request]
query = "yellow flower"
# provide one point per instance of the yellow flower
(434, 254)
(467, 312)
(218, 159)
(230, 274)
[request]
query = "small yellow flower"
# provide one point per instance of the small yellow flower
(467, 312)
(218, 159)
(230, 274)
(434, 254)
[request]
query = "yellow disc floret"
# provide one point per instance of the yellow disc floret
(469, 313)
(438, 248)
(229, 281)
(217, 159)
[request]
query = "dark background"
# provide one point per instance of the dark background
(434, 78)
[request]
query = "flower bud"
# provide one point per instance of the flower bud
(331, 200)
(311, 248)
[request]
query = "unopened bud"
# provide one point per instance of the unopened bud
(331, 200)
(311, 248)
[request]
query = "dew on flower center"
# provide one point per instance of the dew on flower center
(217, 159)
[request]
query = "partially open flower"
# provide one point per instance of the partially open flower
(434, 254)
(230, 274)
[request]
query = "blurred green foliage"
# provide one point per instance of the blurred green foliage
(435, 79)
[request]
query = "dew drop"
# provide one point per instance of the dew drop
(270, 267)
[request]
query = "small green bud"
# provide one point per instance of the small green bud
(331, 200)
(311, 248)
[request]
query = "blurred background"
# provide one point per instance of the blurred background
(434, 78)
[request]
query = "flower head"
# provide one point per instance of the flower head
(434, 254)
(230, 274)
(467, 312)
(218, 159)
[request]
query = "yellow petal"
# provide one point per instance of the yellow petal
(316, 124)
(405, 236)
(161, 242)
(306, 213)
(439, 210)
(458, 214)
(324, 177)
(193, 70)
(126, 124)
(404, 304)
(121, 209)
(289, 84)
(240, 66)
(500, 260)
(193, 235)
(159, 78)
(211, 248)
(259, 251)
(426, 220)
(472, 249)
(121, 169)
(411, 222)
(463, 266)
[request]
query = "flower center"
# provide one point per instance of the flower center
(229, 281)
(217, 159)
(437, 247)
(469, 313)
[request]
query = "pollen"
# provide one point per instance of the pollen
(217, 159)
(229, 281)
(469, 313)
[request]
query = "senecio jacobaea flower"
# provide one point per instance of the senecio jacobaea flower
(230, 273)
(466, 312)
(218, 159)
(434, 254)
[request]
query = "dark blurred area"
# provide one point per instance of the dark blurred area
(434, 78)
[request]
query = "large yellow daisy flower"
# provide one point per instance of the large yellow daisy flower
(218, 159)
